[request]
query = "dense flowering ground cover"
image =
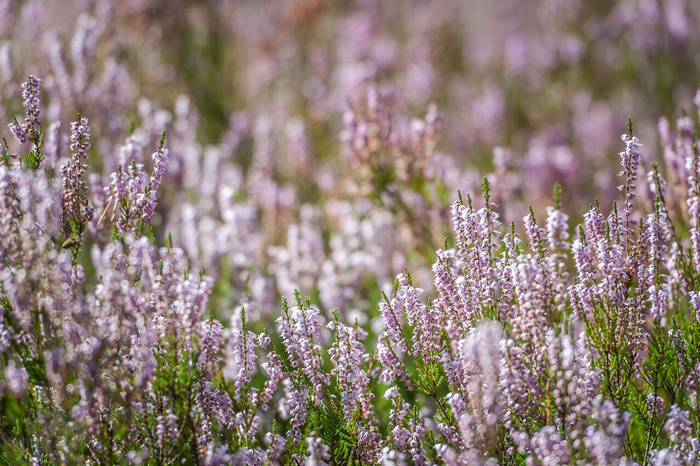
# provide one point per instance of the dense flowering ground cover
(224, 238)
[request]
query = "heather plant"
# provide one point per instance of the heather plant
(154, 309)
(564, 349)
(590, 369)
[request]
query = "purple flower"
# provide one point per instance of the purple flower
(630, 158)
(348, 355)
(160, 164)
(695, 304)
(133, 194)
(557, 229)
(75, 202)
(475, 399)
(16, 378)
(241, 361)
(273, 367)
(275, 450)
(693, 201)
(318, 452)
(684, 448)
(29, 130)
(294, 406)
(300, 331)
(210, 344)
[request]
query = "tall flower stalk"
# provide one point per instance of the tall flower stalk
(76, 207)
(31, 129)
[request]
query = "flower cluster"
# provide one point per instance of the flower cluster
(29, 130)
(75, 200)
(132, 193)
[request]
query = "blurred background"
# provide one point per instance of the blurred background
(318, 144)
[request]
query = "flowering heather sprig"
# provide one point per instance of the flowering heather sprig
(392, 314)
(300, 331)
(695, 304)
(583, 260)
(160, 164)
(581, 424)
(475, 399)
(82, 49)
(612, 259)
(559, 245)
(75, 201)
(30, 130)
(178, 297)
(127, 188)
(424, 346)
(275, 450)
(241, 360)
(657, 234)
(480, 360)
(406, 427)
(557, 229)
(630, 158)
(348, 355)
(367, 132)
(216, 408)
(273, 368)
(535, 234)
(318, 452)
(684, 448)
(521, 388)
(571, 365)
(210, 343)
(294, 406)
(399, 165)
(532, 282)
(474, 233)
(392, 367)
(693, 168)
(425, 320)
(655, 405)
(16, 379)
(456, 305)
(9, 216)
(133, 194)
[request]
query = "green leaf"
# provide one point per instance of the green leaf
(74, 226)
